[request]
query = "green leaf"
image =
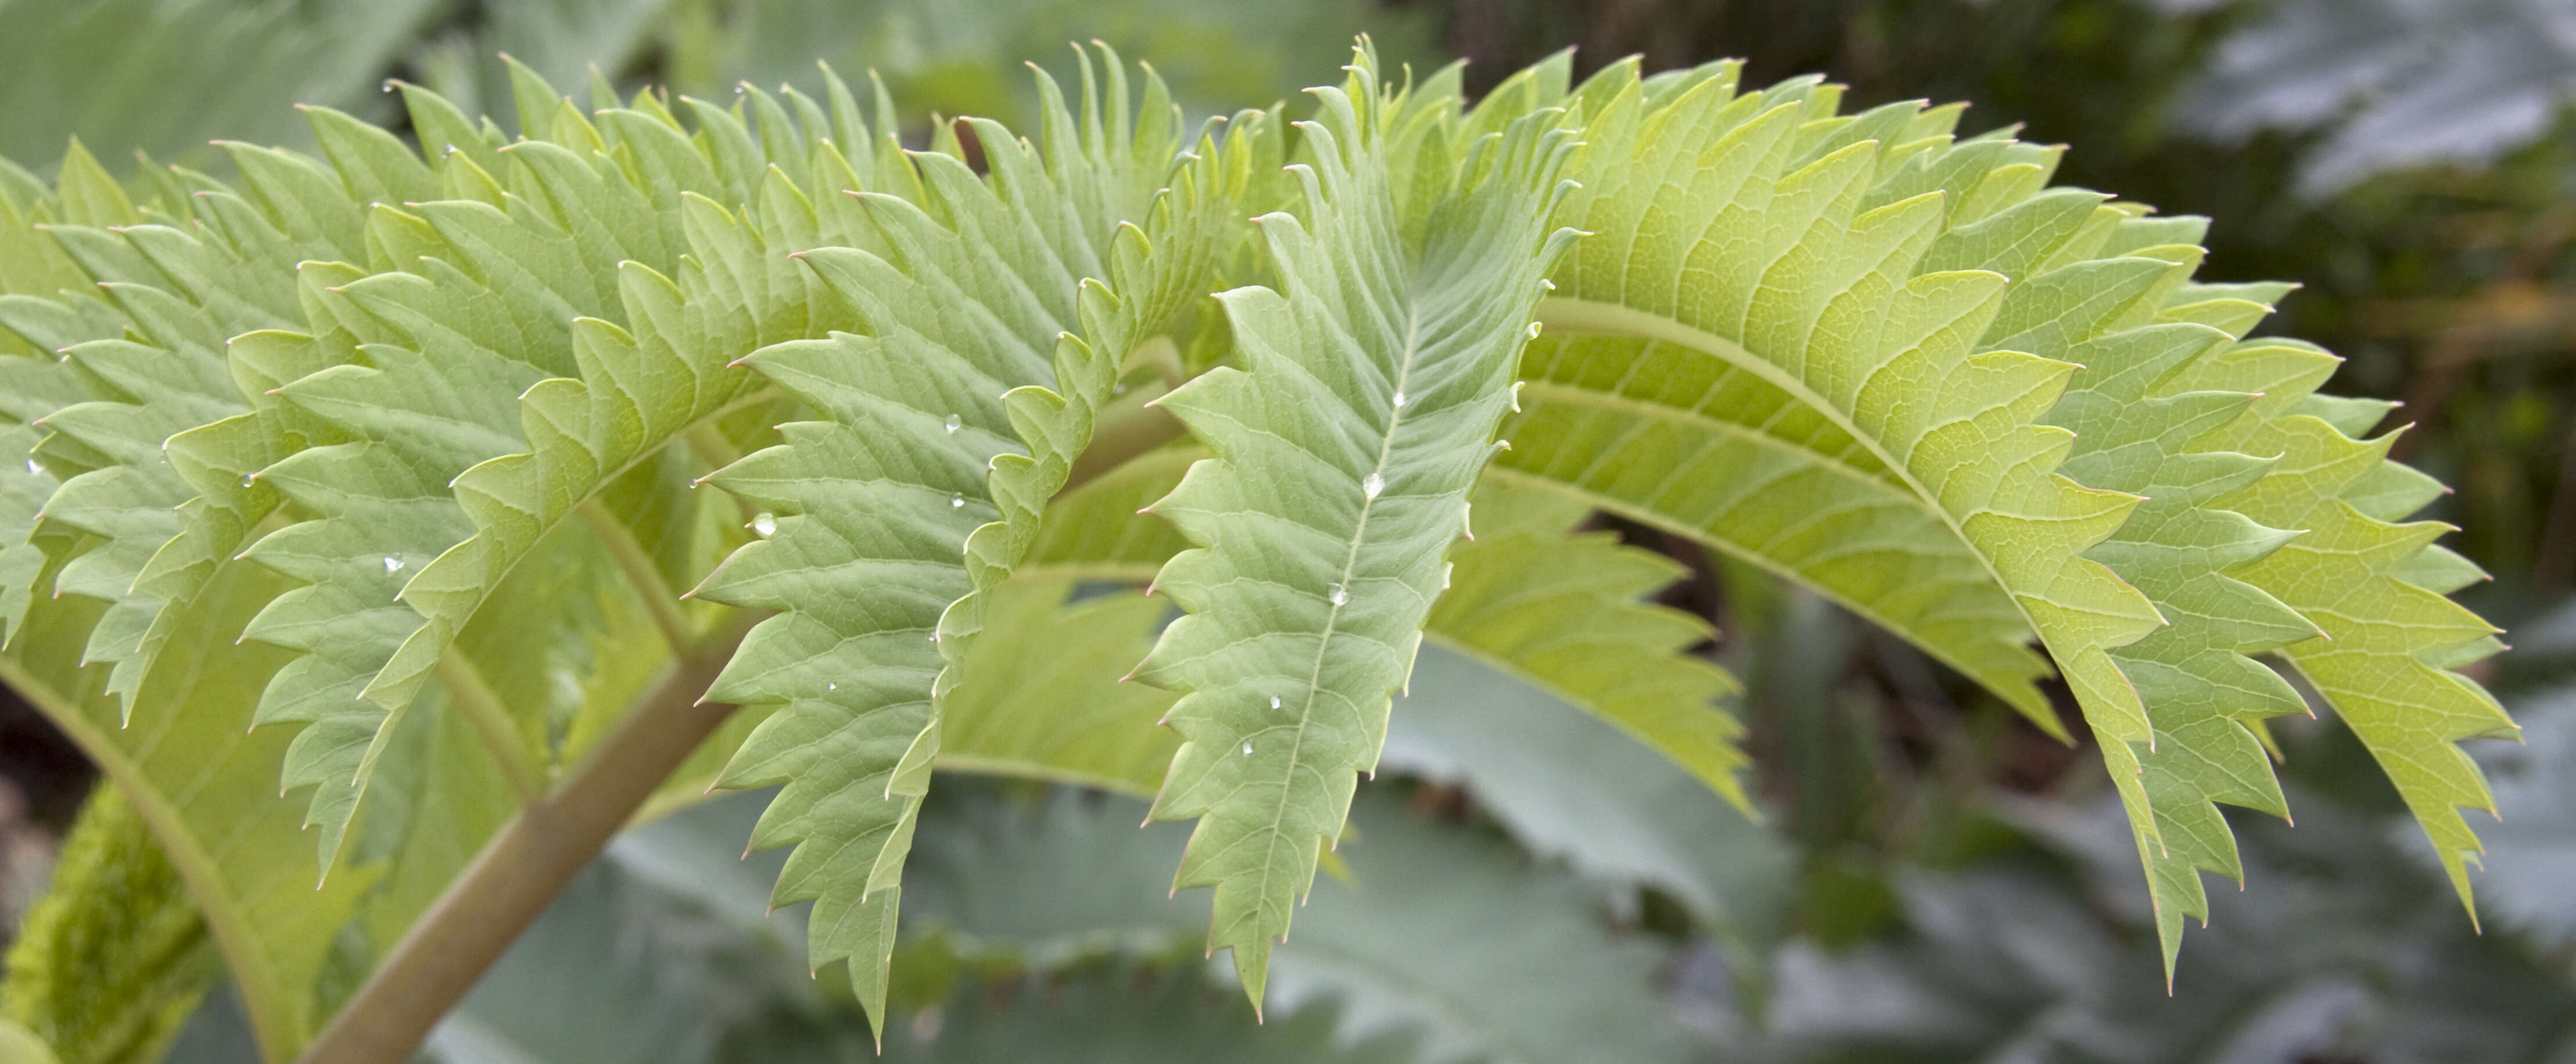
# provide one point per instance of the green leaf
(1808, 245)
(159, 77)
(1439, 931)
(113, 957)
(1042, 697)
(1553, 607)
(1572, 785)
(1344, 453)
(1099, 530)
(1954, 391)
(512, 360)
(19, 1045)
(1559, 609)
(2113, 298)
(205, 783)
(159, 368)
(2388, 658)
(1114, 1016)
(921, 486)
(1433, 917)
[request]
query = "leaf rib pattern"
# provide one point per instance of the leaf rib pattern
(2113, 492)
(1532, 596)
(1344, 454)
(2109, 290)
(523, 348)
(996, 313)
(1732, 452)
(1857, 349)
(152, 353)
(2374, 582)
(1846, 261)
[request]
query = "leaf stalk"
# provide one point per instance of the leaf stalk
(526, 865)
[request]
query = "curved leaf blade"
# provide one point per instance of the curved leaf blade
(1344, 454)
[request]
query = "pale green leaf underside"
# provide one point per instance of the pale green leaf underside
(1345, 448)
(1552, 607)
(990, 322)
(1873, 357)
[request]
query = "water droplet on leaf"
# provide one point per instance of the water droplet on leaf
(1340, 595)
(1274, 701)
(956, 500)
(766, 525)
(393, 564)
(954, 423)
(1399, 400)
(1247, 749)
(1371, 485)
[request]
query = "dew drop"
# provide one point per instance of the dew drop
(1399, 400)
(766, 525)
(32, 467)
(1371, 485)
(953, 423)
(831, 687)
(1340, 595)
(956, 500)
(1247, 749)
(248, 479)
(393, 564)
(1274, 701)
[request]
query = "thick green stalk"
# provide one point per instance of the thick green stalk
(524, 867)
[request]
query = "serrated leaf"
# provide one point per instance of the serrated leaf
(992, 317)
(1560, 609)
(206, 784)
(1567, 784)
(1042, 699)
(1914, 321)
(2142, 428)
(1531, 597)
(2390, 648)
(1344, 453)
(473, 438)
(1807, 253)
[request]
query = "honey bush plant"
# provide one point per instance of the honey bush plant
(408, 517)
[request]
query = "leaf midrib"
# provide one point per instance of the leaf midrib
(573, 512)
(1350, 564)
(1584, 315)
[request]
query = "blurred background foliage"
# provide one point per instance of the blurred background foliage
(1935, 880)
